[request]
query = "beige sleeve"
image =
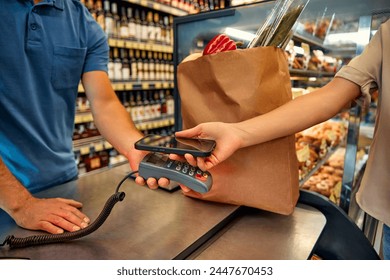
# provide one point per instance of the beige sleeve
(365, 69)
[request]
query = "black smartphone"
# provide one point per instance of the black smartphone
(170, 144)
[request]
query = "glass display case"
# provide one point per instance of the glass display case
(338, 30)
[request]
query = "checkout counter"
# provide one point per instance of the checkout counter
(160, 224)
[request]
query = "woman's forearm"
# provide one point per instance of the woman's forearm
(299, 114)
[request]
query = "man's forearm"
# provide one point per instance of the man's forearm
(110, 117)
(115, 124)
(12, 193)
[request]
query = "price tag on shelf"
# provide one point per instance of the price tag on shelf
(80, 88)
(165, 85)
(87, 118)
(99, 147)
(119, 86)
(107, 145)
(141, 126)
(84, 150)
(112, 42)
(78, 119)
(128, 86)
(120, 43)
(157, 85)
(129, 44)
(145, 85)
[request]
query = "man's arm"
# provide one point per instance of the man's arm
(110, 117)
(114, 122)
(52, 215)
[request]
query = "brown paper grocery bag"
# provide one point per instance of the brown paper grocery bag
(231, 87)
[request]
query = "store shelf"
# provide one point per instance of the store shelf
(153, 124)
(301, 35)
(96, 171)
(143, 125)
(320, 163)
(310, 73)
(137, 85)
(158, 7)
(129, 44)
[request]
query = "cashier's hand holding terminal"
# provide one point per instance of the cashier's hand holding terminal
(159, 165)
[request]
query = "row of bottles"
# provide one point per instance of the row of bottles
(196, 6)
(97, 156)
(85, 130)
(140, 65)
(124, 20)
(142, 105)
(102, 154)
(148, 104)
(119, 19)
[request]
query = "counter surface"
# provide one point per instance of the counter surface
(158, 224)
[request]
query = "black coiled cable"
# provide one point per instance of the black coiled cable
(14, 242)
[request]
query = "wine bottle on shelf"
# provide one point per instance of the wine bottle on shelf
(92, 130)
(125, 65)
(80, 163)
(156, 105)
(151, 67)
(150, 27)
(146, 106)
(195, 7)
(123, 98)
(110, 66)
(151, 105)
(104, 158)
(145, 66)
(133, 107)
(211, 5)
(91, 8)
(93, 161)
(170, 103)
(76, 134)
(144, 27)
(116, 19)
(83, 132)
(100, 14)
(157, 70)
(138, 26)
(168, 31)
(117, 66)
(166, 73)
(171, 68)
(157, 28)
(140, 107)
(132, 24)
(133, 65)
(108, 19)
(163, 104)
(124, 24)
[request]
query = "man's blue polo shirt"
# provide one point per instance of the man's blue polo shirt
(44, 49)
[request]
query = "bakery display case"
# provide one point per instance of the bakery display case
(326, 36)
